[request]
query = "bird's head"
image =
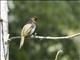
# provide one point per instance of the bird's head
(34, 18)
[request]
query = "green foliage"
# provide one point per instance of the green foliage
(55, 18)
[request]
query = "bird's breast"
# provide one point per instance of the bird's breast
(33, 28)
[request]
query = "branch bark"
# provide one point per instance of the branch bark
(48, 37)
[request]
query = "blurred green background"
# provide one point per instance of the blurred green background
(55, 18)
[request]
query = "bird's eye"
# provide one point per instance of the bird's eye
(35, 18)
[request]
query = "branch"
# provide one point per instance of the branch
(48, 37)
(60, 51)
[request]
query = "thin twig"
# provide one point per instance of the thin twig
(15, 37)
(48, 37)
(60, 51)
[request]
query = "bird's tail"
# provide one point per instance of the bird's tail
(21, 42)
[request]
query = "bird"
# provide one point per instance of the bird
(28, 29)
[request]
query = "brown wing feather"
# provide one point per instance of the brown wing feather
(25, 32)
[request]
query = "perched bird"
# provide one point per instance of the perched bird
(28, 29)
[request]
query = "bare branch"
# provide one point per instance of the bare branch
(16, 37)
(48, 37)
(60, 51)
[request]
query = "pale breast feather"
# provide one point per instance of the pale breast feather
(33, 28)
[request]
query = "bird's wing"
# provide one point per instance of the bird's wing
(25, 32)
(26, 29)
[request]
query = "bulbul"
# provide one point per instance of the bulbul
(28, 29)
